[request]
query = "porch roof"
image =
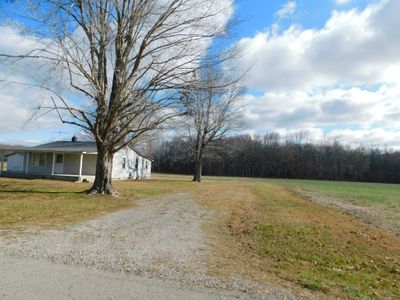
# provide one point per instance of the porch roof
(62, 146)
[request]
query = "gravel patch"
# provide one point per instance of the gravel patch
(25, 278)
(161, 237)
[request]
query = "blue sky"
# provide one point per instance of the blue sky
(329, 68)
(258, 15)
(325, 67)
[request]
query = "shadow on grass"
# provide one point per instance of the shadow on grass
(43, 192)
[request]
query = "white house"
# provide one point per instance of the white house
(70, 160)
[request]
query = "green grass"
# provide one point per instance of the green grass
(313, 246)
(359, 193)
(323, 250)
(154, 187)
(374, 203)
(49, 202)
(382, 201)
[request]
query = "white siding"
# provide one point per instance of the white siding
(71, 163)
(131, 171)
(40, 170)
(89, 164)
(118, 171)
(136, 167)
(15, 163)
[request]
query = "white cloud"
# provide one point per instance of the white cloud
(17, 111)
(377, 137)
(342, 2)
(354, 106)
(354, 47)
(287, 10)
(17, 101)
(14, 42)
(344, 75)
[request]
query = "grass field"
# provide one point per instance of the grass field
(266, 230)
(284, 236)
(48, 202)
(360, 193)
(324, 250)
(374, 203)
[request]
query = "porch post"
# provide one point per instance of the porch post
(52, 165)
(80, 167)
(27, 163)
(2, 161)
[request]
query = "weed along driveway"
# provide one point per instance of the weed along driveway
(160, 240)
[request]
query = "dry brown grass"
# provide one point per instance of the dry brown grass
(262, 231)
(268, 233)
(50, 202)
(233, 245)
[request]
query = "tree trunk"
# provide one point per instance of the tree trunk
(102, 182)
(198, 160)
(198, 168)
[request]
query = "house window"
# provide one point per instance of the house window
(124, 163)
(59, 158)
(147, 165)
(39, 159)
(137, 163)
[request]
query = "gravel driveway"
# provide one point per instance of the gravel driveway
(159, 238)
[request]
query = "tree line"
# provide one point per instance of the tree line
(274, 156)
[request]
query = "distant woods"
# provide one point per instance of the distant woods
(274, 157)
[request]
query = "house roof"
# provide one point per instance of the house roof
(68, 146)
(61, 146)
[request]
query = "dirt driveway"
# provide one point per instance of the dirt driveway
(160, 238)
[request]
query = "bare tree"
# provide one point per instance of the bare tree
(213, 109)
(127, 58)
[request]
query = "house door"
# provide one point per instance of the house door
(59, 164)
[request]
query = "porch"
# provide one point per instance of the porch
(64, 177)
(49, 165)
(73, 167)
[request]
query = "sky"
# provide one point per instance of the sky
(327, 68)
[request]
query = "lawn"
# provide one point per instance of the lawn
(359, 193)
(285, 236)
(48, 202)
(265, 230)
(321, 249)
(374, 203)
